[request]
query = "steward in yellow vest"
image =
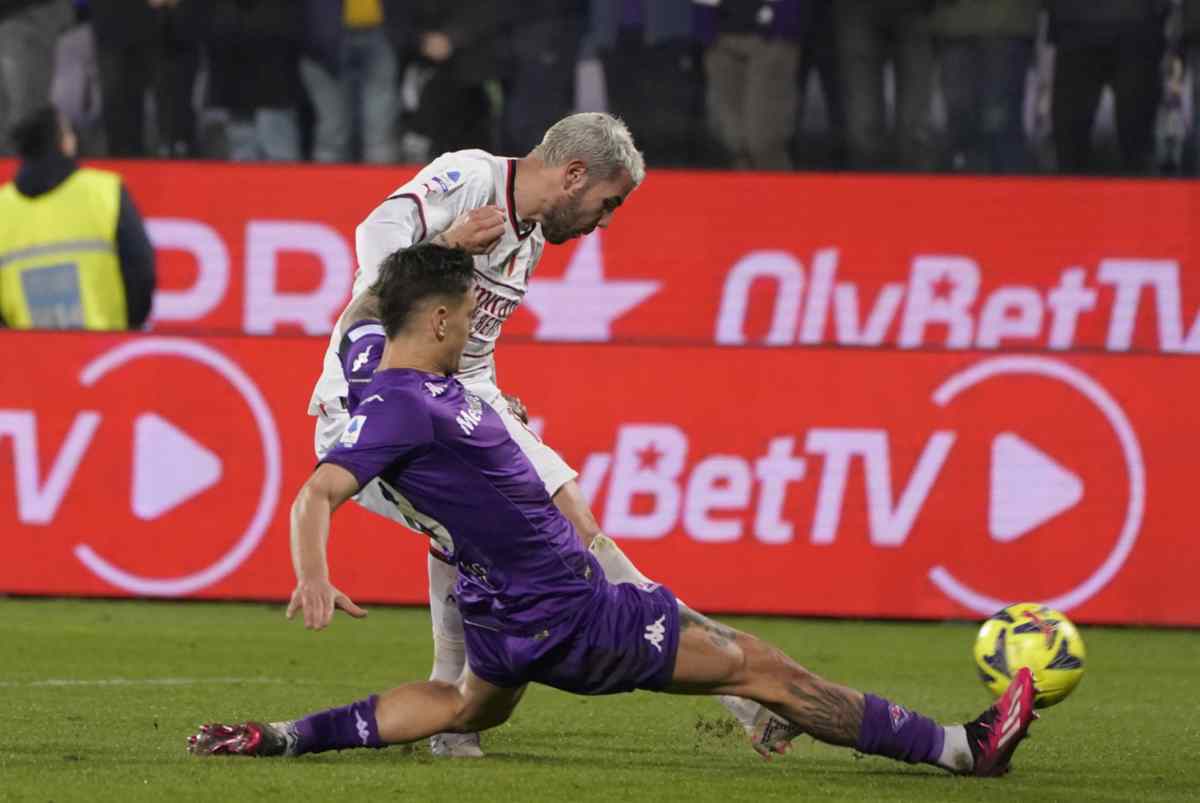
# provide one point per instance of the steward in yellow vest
(73, 249)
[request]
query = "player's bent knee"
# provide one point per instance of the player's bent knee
(474, 718)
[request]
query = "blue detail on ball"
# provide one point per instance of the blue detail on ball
(1064, 660)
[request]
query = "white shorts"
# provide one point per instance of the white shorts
(550, 467)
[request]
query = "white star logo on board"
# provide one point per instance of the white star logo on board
(582, 305)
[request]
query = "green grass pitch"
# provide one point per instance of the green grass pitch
(97, 699)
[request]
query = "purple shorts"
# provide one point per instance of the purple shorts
(624, 639)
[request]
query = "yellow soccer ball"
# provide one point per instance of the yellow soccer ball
(1031, 635)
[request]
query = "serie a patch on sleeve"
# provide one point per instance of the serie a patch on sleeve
(443, 183)
(353, 429)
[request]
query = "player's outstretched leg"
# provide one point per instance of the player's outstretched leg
(768, 733)
(404, 714)
(449, 651)
(715, 659)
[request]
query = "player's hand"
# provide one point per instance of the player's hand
(517, 407)
(318, 599)
(476, 232)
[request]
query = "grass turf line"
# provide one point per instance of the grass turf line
(1128, 733)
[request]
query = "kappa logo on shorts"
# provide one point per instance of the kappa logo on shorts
(655, 633)
(435, 390)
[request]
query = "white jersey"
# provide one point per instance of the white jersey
(419, 210)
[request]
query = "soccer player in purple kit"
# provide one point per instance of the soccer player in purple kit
(535, 601)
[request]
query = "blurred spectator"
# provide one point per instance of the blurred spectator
(1190, 30)
(986, 49)
(144, 44)
(1170, 127)
(751, 66)
(352, 76)
(75, 90)
(28, 30)
(818, 54)
(460, 41)
(254, 73)
(652, 75)
(1118, 43)
(540, 50)
(73, 251)
(869, 34)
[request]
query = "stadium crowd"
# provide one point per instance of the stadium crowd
(993, 86)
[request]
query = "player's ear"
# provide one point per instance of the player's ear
(575, 175)
(440, 314)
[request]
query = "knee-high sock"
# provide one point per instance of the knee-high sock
(335, 729)
(896, 732)
(449, 652)
(620, 569)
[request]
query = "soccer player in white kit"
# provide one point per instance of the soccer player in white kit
(503, 211)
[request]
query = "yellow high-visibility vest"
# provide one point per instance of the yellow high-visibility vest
(362, 13)
(58, 255)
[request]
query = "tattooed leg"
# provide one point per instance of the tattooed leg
(825, 710)
(716, 659)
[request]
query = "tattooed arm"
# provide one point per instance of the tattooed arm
(366, 306)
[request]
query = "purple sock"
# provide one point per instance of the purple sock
(339, 728)
(892, 730)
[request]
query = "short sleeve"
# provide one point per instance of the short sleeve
(387, 431)
(359, 354)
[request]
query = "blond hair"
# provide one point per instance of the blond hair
(599, 140)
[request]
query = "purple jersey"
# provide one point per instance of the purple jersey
(359, 352)
(445, 459)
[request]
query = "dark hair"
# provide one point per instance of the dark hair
(38, 134)
(409, 276)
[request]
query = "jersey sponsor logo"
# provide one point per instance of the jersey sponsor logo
(361, 359)
(469, 417)
(353, 429)
(435, 389)
(491, 311)
(656, 632)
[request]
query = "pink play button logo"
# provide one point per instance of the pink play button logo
(169, 467)
(1028, 488)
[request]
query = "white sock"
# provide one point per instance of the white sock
(956, 752)
(743, 710)
(617, 568)
(449, 651)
